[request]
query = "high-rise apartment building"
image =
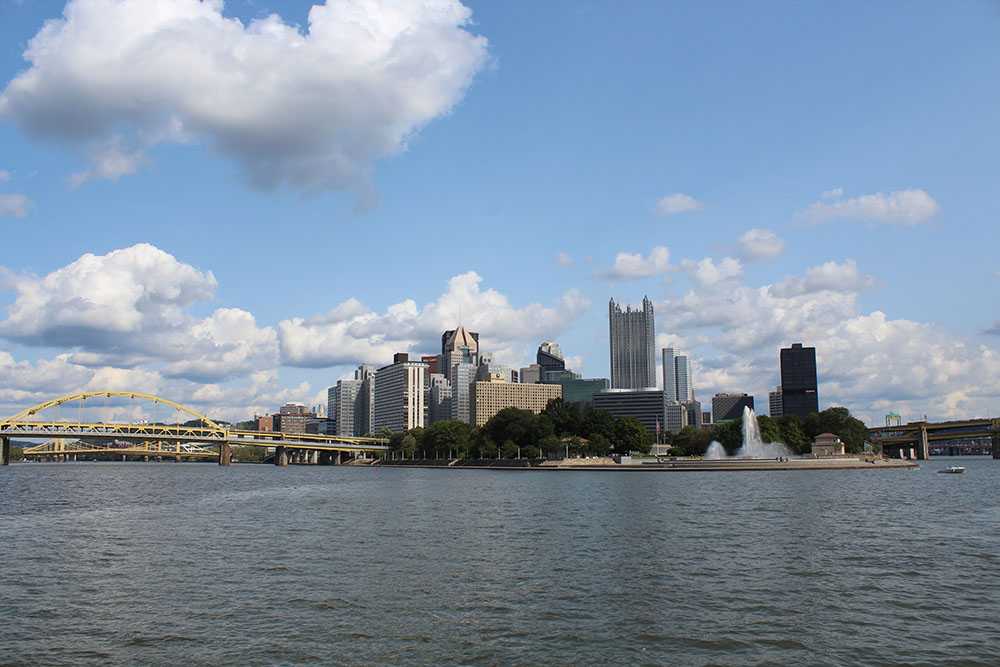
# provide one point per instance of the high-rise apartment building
(798, 380)
(632, 336)
(399, 395)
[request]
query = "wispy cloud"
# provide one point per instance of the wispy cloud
(901, 207)
(632, 266)
(677, 203)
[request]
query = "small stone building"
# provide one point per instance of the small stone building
(826, 445)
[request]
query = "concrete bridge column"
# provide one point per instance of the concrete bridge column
(340, 459)
(5, 451)
(923, 449)
(225, 454)
(280, 456)
(995, 436)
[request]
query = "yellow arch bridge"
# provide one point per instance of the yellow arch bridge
(199, 438)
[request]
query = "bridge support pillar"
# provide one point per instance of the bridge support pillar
(995, 436)
(280, 456)
(5, 451)
(339, 458)
(923, 447)
(225, 454)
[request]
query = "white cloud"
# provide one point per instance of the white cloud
(109, 162)
(102, 295)
(564, 259)
(868, 362)
(4, 175)
(311, 108)
(352, 333)
(760, 244)
(129, 307)
(575, 363)
(901, 207)
(707, 272)
(835, 193)
(829, 276)
(677, 203)
(631, 266)
(13, 205)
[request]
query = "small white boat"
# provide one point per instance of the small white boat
(954, 470)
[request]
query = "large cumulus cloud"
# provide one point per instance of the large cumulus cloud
(312, 108)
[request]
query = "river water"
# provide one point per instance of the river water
(193, 564)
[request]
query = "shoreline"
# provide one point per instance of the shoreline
(681, 466)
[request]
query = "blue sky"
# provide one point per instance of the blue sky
(573, 121)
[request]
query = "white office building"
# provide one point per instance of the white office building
(399, 395)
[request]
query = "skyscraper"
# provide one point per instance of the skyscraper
(458, 346)
(463, 375)
(399, 395)
(685, 386)
(346, 403)
(775, 404)
(669, 375)
(798, 380)
(633, 354)
(364, 410)
(550, 357)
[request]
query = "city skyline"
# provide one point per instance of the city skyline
(211, 261)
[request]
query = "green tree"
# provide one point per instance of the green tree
(838, 421)
(598, 445)
(567, 418)
(729, 434)
(631, 435)
(691, 441)
(519, 426)
(598, 421)
(793, 436)
(408, 444)
(449, 437)
(770, 429)
(552, 446)
(509, 450)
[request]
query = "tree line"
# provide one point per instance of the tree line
(561, 429)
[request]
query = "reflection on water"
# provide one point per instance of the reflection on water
(197, 564)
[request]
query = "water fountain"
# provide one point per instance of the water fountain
(753, 446)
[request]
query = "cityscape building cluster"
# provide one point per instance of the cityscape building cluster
(464, 383)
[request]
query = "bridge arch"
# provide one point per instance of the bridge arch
(25, 414)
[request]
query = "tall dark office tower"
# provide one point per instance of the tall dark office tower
(798, 380)
(633, 346)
